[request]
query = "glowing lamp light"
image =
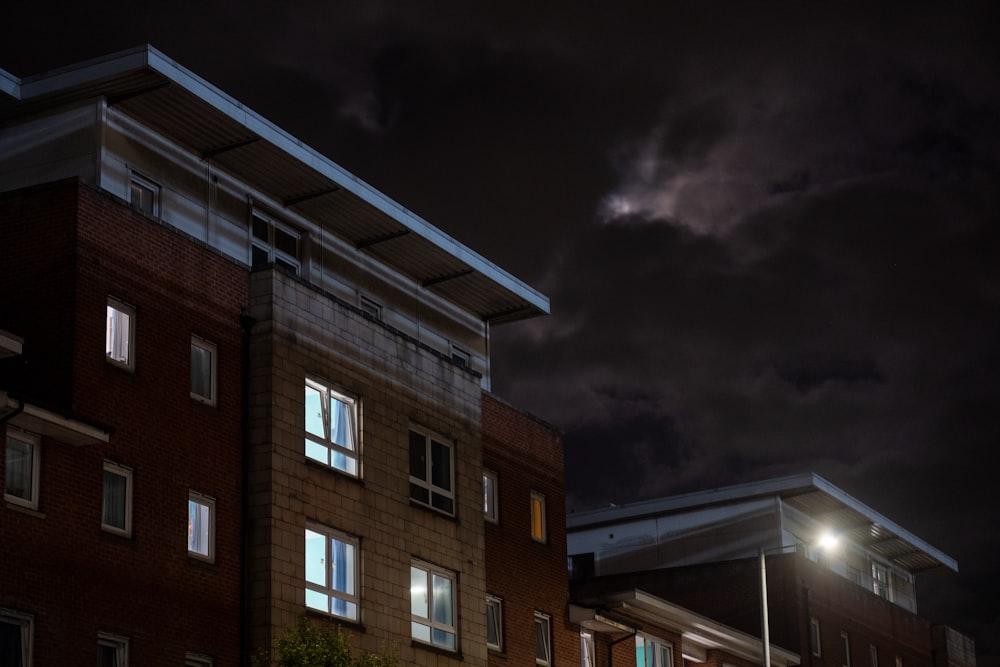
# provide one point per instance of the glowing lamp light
(827, 541)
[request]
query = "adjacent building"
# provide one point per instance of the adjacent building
(285, 417)
(848, 605)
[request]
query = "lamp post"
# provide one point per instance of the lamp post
(826, 542)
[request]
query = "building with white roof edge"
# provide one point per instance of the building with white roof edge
(850, 604)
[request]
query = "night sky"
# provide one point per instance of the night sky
(769, 232)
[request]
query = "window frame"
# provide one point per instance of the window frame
(332, 448)
(213, 351)
(539, 524)
(545, 622)
(328, 589)
(116, 642)
(872, 655)
(152, 187)
(200, 499)
(815, 637)
(192, 659)
(491, 496)
(270, 246)
(121, 471)
(433, 625)
(112, 337)
(35, 443)
(27, 624)
(495, 603)
(845, 644)
(370, 306)
(655, 651)
(881, 588)
(587, 648)
(426, 483)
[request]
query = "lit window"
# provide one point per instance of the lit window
(22, 469)
(652, 652)
(490, 496)
(538, 517)
(431, 473)
(15, 638)
(197, 660)
(120, 334)
(273, 243)
(432, 605)
(494, 623)
(116, 506)
(814, 638)
(543, 639)
(144, 196)
(201, 526)
(845, 642)
(587, 649)
(880, 581)
(112, 650)
(331, 428)
(202, 370)
(331, 572)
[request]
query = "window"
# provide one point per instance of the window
(22, 469)
(119, 345)
(202, 370)
(116, 507)
(845, 642)
(331, 572)
(538, 516)
(461, 357)
(652, 652)
(15, 638)
(144, 196)
(331, 428)
(543, 639)
(112, 650)
(880, 581)
(494, 623)
(581, 566)
(273, 243)
(197, 660)
(201, 526)
(431, 481)
(873, 655)
(373, 308)
(490, 496)
(814, 636)
(587, 649)
(899, 661)
(432, 605)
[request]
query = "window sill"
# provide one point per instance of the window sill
(338, 620)
(436, 512)
(336, 471)
(17, 507)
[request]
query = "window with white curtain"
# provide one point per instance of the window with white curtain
(432, 605)
(331, 425)
(119, 334)
(331, 572)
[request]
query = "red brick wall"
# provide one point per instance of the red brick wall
(527, 455)
(59, 565)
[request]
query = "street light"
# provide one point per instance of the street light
(825, 542)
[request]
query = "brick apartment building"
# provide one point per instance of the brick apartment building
(286, 416)
(850, 605)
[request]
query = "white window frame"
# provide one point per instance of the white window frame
(269, 246)
(882, 588)
(873, 655)
(143, 184)
(29, 499)
(201, 500)
(125, 472)
(438, 498)
(496, 604)
(655, 651)
(118, 643)
(815, 637)
(438, 630)
(326, 588)
(491, 497)
(26, 622)
(370, 306)
(845, 643)
(461, 357)
(197, 660)
(539, 527)
(197, 342)
(543, 631)
(119, 346)
(323, 447)
(587, 649)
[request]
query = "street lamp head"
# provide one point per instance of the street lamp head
(827, 541)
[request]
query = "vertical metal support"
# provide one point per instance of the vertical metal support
(765, 639)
